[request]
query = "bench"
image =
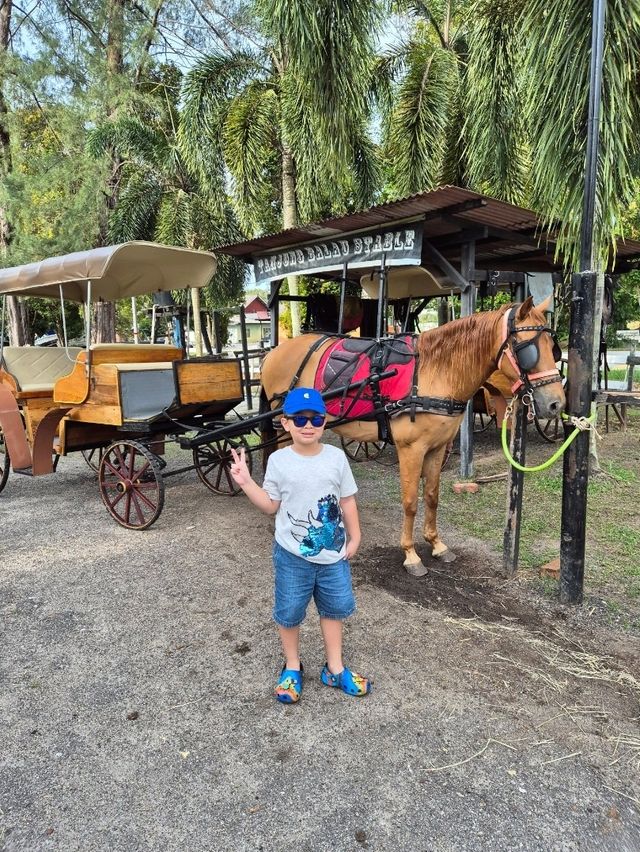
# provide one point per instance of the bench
(35, 369)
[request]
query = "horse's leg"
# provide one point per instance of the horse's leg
(431, 468)
(410, 458)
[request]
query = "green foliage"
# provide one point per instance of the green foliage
(302, 92)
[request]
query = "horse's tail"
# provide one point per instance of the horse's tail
(268, 435)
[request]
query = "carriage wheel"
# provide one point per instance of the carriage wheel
(362, 450)
(5, 465)
(93, 457)
(550, 430)
(482, 421)
(213, 460)
(131, 484)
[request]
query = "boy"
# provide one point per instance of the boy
(309, 487)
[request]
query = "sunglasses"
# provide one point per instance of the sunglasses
(300, 420)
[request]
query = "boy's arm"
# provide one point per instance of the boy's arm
(351, 524)
(258, 496)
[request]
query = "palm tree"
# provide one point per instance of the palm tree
(161, 199)
(494, 96)
(289, 118)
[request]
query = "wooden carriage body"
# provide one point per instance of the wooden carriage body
(57, 400)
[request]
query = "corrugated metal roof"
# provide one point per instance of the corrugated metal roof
(516, 238)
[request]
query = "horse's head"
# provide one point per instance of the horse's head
(528, 355)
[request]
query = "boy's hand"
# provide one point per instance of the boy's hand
(352, 548)
(239, 470)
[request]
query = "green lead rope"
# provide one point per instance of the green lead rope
(581, 424)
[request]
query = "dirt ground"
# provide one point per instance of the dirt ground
(137, 672)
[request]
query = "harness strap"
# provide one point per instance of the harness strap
(447, 406)
(315, 346)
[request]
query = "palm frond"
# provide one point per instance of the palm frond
(207, 91)
(134, 215)
(494, 127)
(417, 132)
(557, 99)
(328, 47)
(251, 146)
(129, 138)
(173, 223)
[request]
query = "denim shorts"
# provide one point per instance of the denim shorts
(297, 580)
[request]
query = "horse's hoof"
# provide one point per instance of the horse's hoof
(416, 570)
(446, 556)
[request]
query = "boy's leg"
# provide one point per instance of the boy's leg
(332, 636)
(290, 639)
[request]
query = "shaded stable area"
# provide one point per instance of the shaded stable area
(429, 246)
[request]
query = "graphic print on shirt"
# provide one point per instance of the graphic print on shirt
(329, 535)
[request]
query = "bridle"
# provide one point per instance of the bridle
(525, 355)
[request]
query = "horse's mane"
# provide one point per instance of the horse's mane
(456, 343)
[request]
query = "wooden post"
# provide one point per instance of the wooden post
(343, 291)
(245, 360)
(581, 333)
(468, 306)
(274, 307)
(576, 458)
(217, 333)
(515, 490)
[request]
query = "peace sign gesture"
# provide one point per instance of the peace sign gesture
(239, 470)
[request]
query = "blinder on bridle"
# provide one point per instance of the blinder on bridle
(524, 355)
(527, 353)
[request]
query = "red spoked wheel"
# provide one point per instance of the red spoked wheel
(213, 460)
(362, 450)
(131, 484)
(93, 457)
(5, 463)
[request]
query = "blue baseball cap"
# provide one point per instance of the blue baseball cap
(304, 399)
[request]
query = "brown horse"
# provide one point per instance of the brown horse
(453, 362)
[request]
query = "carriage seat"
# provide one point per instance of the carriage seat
(133, 353)
(35, 369)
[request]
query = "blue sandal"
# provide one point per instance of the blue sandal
(289, 685)
(350, 682)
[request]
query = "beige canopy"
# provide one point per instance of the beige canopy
(409, 282)
(115, 272)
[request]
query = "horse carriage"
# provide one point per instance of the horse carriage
(118, 404)
(411, 389)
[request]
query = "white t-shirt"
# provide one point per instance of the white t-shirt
(309, 520)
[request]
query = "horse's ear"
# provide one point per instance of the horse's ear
(525, 308)
(546, 306)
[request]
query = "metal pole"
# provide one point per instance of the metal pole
(581, 334)
(134, 320)
(343, 290)
(245, 360)
(468, 306)
(382, 284)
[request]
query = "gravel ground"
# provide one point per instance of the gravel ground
(137, 672)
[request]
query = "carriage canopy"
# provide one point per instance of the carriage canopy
(115, 272)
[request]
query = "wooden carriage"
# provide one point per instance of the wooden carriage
(117, 403)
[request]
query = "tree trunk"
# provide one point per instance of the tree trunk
(18, 326)
(197, 329)
(104, 329)
(17, 322)
(290, 220)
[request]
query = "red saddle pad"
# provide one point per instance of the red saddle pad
(348, 360)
